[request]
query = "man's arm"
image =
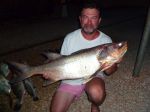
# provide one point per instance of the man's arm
(111, 70)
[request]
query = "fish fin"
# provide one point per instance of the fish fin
(51, 56)
(48, 82)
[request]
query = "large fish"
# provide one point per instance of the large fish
(82, 64)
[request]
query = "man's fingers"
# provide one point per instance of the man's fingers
(46, 76)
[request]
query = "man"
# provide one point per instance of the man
(86, 37)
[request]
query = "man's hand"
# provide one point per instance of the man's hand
(113, 68)
(46, 75)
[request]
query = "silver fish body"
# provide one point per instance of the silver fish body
(82, 64)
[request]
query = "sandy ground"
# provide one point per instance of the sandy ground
(125, 93)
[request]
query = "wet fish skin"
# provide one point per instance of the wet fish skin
(82, 64)
(50, 56)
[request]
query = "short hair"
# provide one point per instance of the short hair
(90, 4)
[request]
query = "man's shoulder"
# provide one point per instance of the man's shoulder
(73, 33)
(105, 37)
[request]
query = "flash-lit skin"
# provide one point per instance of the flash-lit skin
(95, 88)
(89, 21)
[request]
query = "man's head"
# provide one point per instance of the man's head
(90, 17)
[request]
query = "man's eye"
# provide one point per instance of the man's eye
(94, 18)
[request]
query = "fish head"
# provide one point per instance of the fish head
(5, 87)
(111, 53)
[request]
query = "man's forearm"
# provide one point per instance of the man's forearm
(111, 70)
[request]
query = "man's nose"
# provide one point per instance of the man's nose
(89, 22)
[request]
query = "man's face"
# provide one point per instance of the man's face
(89, 20)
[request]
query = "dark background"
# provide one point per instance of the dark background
(27, 23)
(10, 9)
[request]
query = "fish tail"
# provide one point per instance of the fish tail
(21, 71)
(18, 67)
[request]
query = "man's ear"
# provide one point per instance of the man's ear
(80, 18)
(100, 20)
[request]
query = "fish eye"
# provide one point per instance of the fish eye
(120, 44)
